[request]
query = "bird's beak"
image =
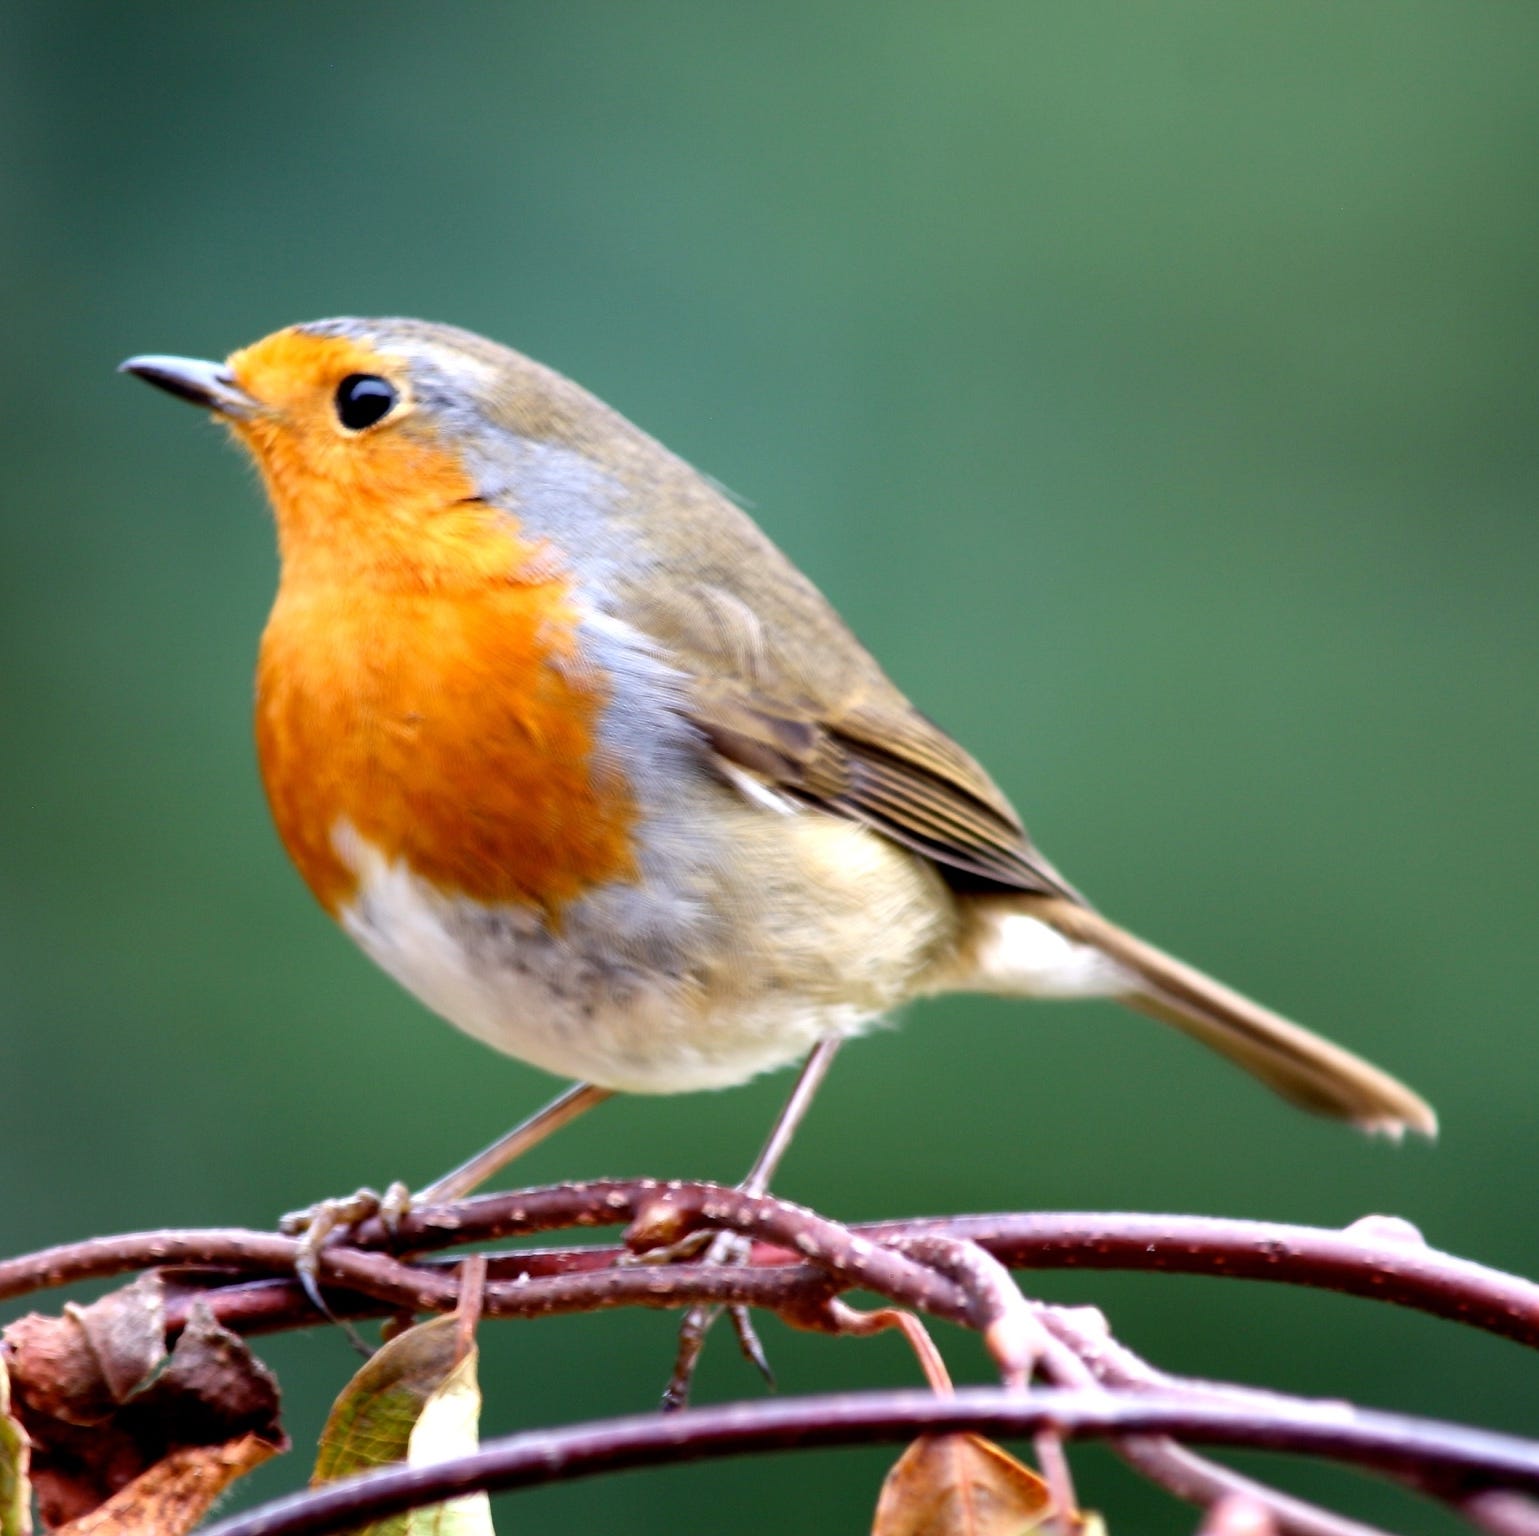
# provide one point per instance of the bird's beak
(189, 378)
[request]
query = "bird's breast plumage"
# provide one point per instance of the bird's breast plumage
(453, 730)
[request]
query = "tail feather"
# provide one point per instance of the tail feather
(1301, 1066)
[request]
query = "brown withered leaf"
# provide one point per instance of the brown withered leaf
(81, 1366)
(213, 1388)
(172, 1496)
(99, 1416)
(960, 1485)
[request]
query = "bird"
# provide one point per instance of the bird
(573, 751)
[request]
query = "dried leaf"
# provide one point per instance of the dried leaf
(416, 1401)
(213, 1376)
(15, 1452)
(83, 1365)
(98, 1415)
(960, 1485)
(173, 1495)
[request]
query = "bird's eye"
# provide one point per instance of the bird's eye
(363, 399)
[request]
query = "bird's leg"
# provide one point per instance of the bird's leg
(475, 1171)
(318, 1222)
(732, 1247)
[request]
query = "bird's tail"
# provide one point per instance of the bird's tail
(1100, 958)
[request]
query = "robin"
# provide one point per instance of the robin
(573, 752)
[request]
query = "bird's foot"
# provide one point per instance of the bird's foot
(319, 1224)
(709, 1248)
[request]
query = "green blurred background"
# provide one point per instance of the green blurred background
(1154, 389)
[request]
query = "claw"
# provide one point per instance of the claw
(306, 1270)
(750, 1344)
(395, 1205)
(720, 1248)
(313, 1227)
(317, 1224)
(326, 1216)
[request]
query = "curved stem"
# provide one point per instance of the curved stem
(1448, 1460)
(1374, 1259)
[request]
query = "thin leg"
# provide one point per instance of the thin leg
(472, 1174)
(808, 1081)
(315, 1225)
(729, 1248)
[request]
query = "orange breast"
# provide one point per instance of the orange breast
(452, 726)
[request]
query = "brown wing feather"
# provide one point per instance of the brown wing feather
(887, 768)
(783, 691)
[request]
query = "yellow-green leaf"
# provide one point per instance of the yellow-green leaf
(370, 1424)
(449, 1426)
(414, 1401)
(15, 1489)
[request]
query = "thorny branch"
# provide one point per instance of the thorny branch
(797, 1265)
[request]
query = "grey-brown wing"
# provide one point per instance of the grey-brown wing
(886, 767)
(783, 691)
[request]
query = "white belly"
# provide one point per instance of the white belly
(570, 1001)
(699, 980)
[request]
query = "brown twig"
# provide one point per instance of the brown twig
(847, 1258)
(1378, 1258)
(854, 1323)
(1360, 1261)
(1453, 1460)
(1011, 1333)
(797, 1262)
(1395, 1271)
(1085, 1353)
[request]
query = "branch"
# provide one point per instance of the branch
(1453, 1462)
(1382, 1258)
(1084, 1353)
(799, 1262)
(1377, 1259)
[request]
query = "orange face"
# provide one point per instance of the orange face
(421, 693)
(391, 495)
